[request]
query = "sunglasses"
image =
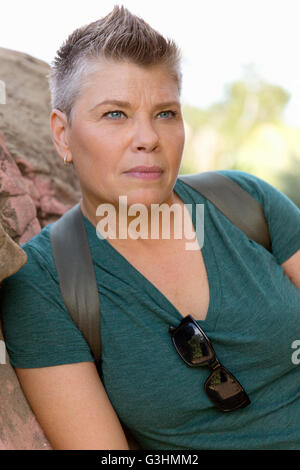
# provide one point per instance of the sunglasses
(194, 347)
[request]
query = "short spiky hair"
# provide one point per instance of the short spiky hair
(120, 36)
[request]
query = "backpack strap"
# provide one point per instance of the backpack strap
(234, 202)
(77, 279)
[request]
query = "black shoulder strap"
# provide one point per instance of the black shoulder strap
(234, 202)
(71, 252)
(74, 263)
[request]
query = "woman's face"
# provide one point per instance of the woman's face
(140, 123)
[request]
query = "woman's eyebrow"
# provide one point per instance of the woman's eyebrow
(126, 104)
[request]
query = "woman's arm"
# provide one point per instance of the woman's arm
(292, 268)
(72, 407)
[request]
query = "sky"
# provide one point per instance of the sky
(219, 39)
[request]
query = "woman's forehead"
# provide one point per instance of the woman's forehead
(126, 82)
(126, 73)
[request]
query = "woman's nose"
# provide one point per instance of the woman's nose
(145, 137)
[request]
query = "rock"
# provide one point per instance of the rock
(26, 138)
(36, 188)
(18, 210)
(12, 257)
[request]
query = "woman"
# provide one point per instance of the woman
(115, 88)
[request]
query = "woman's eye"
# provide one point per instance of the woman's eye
(117, 115)
(166, 114)
(114, 114)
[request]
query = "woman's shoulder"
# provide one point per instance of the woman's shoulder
(262, 191)
(253, 184)
(267, 194)
(281, 213)
(38, 329)
(39, 242)
(39, 252)
(39, 269)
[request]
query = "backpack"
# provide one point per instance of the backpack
(70, 248)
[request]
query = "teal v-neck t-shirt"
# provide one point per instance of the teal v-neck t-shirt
(253, 320)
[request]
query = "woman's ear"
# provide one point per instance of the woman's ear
(59, 128)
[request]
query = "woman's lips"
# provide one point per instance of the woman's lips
(146, 173)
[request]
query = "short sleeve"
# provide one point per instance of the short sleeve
(37, 328)
(282, 214)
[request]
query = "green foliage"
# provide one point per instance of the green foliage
(245, 131)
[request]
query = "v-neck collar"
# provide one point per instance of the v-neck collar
(208, 253)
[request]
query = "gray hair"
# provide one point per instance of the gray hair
(120, 36)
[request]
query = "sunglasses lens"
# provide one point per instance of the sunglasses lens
(193, 346)
(225, 391)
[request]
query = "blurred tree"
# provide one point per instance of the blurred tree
(245, 131)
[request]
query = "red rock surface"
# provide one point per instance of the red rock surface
(35, 189)
(31, 172)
